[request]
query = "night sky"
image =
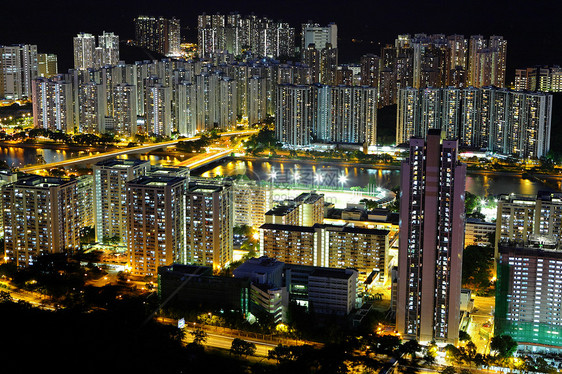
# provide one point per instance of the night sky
(532, 28)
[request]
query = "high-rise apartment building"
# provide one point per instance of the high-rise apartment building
(236, 34)
(370, 65)
(158, 109)
(328, 65)
(108, 43)
(487, 61)
(18, 69)
(431, 240)
(251, 202)
(539, 78)
(53, 107)
(439, 61)
(84, 51)
(47, 65)
(124, 107)
(40, 217)
(294, 115)
(92, 108)
(338, 114)
(311, 58)
(529, 294)
(158, 34)
(110, 196)
(156, 223)
(85, 191)
(320, 36)
(209, 224)
(521, 217)
(498, 120)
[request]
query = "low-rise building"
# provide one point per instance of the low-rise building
(328, 246)
(322, 290)
(479, 232)
(195, 287)
(274, 285)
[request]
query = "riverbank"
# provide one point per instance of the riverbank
(319, 162)
(60, 147)
(507, 173)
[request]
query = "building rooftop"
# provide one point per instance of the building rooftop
(156, 181)
(273, 226)
(37, 181)
(530, 251)
(192, 270)
(259, 265)
(332, 273)
(168, 171)
(479, 221)
(120, 163)
(352, 229)
(308, 197)
(281, 210)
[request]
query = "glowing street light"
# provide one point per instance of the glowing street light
(296, 176)
(318, 178)
(343, 179)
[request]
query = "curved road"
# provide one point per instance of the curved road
(124, 151)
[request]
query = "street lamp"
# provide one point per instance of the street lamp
(318, 178)
(342, 180)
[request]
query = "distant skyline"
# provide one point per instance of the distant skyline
(531, 28)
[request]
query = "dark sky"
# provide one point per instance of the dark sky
(532, 28)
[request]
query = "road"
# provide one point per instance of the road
(206, 158)
(225, 342)
(33, 298)
(481, 327)
(124, 151)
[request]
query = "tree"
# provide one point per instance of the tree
(430, 353)
(449, 370)
(470, 202)
(281, 353)
(411, 347)
(241, 347)
(199, 336)
(503, 345)
(477, 268)
(453, 354)
(370, 204)
(463, 336)
(5, 297)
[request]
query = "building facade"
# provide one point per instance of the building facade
(209, 224)
(156, 224)
(110, 197)
(529, 295)
(431, 240)
(158, 34)
(18, 69)
(498, 120)
(40, 217)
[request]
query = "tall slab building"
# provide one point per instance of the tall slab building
(431, 240)
(110, 196)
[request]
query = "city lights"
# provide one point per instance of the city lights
(257, 193)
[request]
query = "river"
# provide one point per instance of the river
(285, 172)
(303, 173)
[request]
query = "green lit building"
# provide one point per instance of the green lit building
(529, 294)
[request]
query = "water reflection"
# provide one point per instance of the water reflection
(285, 171)
(482, 185)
